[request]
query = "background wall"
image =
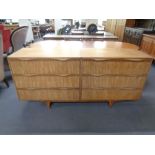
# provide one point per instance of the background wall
(90, 21)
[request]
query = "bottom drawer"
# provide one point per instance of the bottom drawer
(92, 94)
(43, 95)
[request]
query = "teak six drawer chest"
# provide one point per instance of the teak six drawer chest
(74, 71)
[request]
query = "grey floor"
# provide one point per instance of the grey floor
(18, 117)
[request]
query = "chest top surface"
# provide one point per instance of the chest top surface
(80, 49)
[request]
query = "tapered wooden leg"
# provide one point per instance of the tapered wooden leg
(6, 83)
(49, 103)
(111, 102)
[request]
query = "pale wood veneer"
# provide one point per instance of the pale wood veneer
(79, 71)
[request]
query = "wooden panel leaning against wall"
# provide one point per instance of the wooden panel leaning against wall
(113, 26)
(116, 26)
(108, 25)
(119, 30)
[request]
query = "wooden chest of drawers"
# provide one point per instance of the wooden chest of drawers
(58, 71)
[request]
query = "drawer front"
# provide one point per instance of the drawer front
(45, 66)
(117, 94)
(46, 81)
(113, 82)
(115, 67)
(48, 94)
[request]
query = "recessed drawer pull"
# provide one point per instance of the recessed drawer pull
(26, 59)
(109, 59)
(62, 59)
(57, 88)
(113, 88)
(52, 59)
(135, 60)
(60, 75)
(100, 59)
(127, 75)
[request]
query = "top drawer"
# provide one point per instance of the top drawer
(44, 66)
(115, 67)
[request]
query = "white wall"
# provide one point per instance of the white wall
(58, 24)
(90, 21)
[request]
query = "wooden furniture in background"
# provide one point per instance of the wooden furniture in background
(5, 38)
(130, 30)
(148, 44)
(110, 25)
(73, 32)
(11, 27)
(80, 37)
(119, 30)
(76, 71)
(130, 22)
(117, 26)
